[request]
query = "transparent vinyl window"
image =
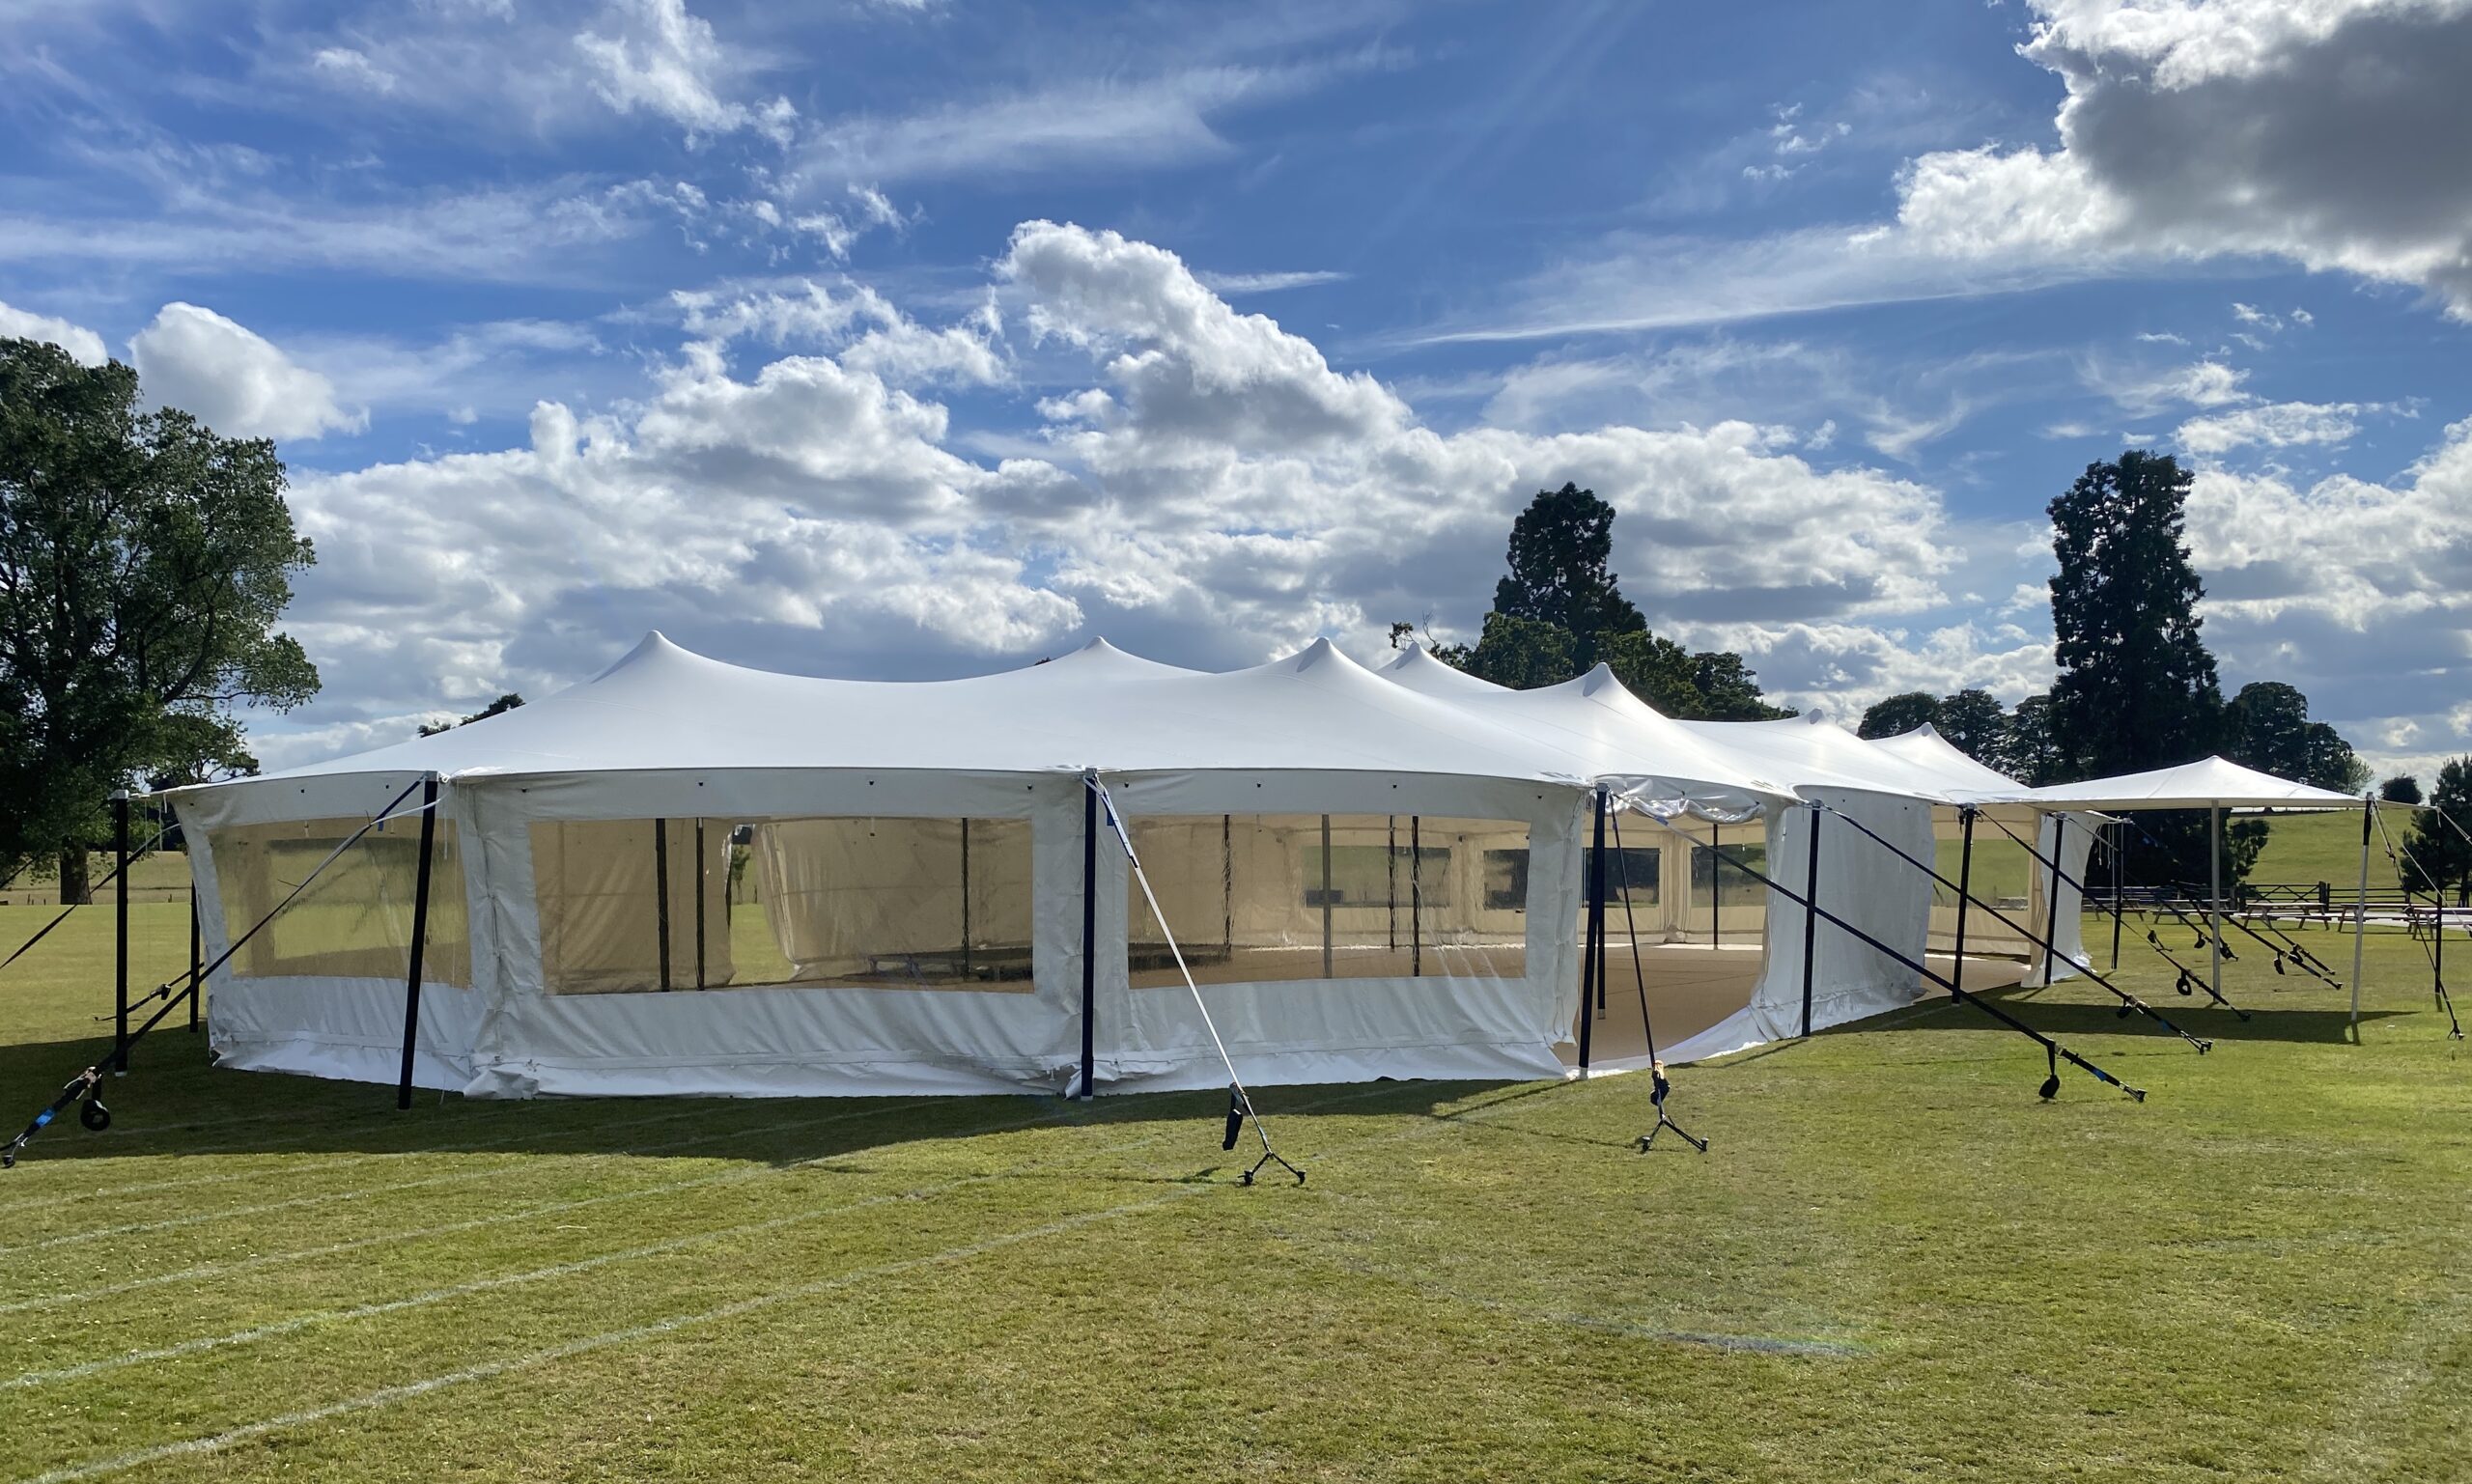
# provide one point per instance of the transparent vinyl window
(1263, 897)
(653, 905)
(2003, 875)
(354, 918)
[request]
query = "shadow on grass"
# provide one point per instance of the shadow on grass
(173, 1105)
(2081, 1018)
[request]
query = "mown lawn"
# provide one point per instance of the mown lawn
(1896, 1264)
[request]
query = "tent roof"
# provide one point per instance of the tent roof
(1809, 751)
(1925, 747)
(2210, 782)
(662, 708)
(1619, 736)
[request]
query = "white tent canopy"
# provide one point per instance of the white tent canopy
(887, 878)
(2209, 783)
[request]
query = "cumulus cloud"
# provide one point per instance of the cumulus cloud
(76, 339)
(2322, 133)
(2272, 425)
(234, 379)
(1201, 481)
(656, 57)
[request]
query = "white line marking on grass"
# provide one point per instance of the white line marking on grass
(579, 1265)
(488, 1370)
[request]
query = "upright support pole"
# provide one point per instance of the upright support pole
(2051, 904)
(1595, 933)
(1090, 937)
(965, 901)
(2214, 902)
(660, 895)
(1416, 896)
(2119, 843)
(1716, 883)
(120, 933)
(2360, 913)
(702, 860)
(420, 941)
(1965, 893)
(197, 987)
(1326, 897)
(2437, 942)
(1810, 918)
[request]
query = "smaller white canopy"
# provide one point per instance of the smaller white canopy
(2208, 783)
(1811, 751)
(1924, 747)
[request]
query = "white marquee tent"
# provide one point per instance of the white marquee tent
(687, 877)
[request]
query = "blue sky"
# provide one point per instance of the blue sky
(922, 338)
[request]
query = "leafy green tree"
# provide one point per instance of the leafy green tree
(144, 563)
(1520, 653)
(2401, 789)
(2267, 727)
(2440, 859)
(2029, 751)
(1729, 690)
(1974, 723)
(1900, 714)
(1559, 546)
(2137, 688)
(2332, 764)
(1656, 670)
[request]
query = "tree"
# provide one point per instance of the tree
(1900, 714)
(2332, 764)
(2136, 687)
(2401, 789)
(2029, 752)
(1973, 722)
(1558, 549)
(2441, 858)
(1729, 690)
(1520, 653)
(500, 707)
(144, 562)
(1656, 670)
(2267, 727)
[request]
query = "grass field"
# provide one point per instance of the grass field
(1896, 1264)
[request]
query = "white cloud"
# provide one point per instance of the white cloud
(76, 339)
(2272, 425)
(2206, 383)
(657, 57)
(233, 380)
(1269, 283)
(351, 67)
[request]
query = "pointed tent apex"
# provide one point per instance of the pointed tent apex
(1600, 679)
(1097, 645)
(1320, 652)
(1412, 656)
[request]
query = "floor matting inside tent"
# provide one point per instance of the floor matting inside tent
(1692, 985)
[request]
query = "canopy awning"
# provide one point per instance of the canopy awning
(2209, 783)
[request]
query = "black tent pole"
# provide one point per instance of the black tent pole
(2051, 905)
(1089, 936)
(1595, 928)
(420, 940)
(2119, 843)
(196, 990)
(660, 895)
(1810, 923)
(120, 933)
(1965, 893)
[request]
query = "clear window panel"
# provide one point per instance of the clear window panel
(354, 920)
(1255, 898)
(653, 906)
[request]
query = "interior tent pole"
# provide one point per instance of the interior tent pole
(700, 863)
(1810, 924)
(965, 899)
(1390, 877)
(1240, 1102)
(2360, 911)
(420, 940)
(120, 933)
(1595, 934)
(2214, 896)
(1716, 854)
(1326, 897)
(2056, 1051)
(1089, 936)
(660, 895)
(1416, 896)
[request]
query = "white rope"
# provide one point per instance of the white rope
(1108, 805)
